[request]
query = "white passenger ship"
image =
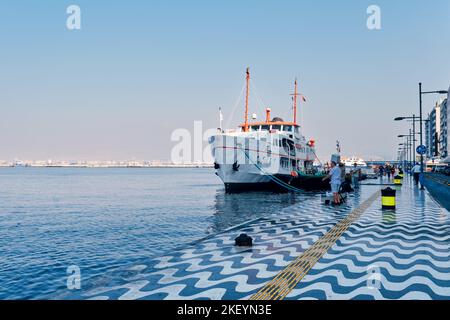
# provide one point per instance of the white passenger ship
(350, 162)
(269, 155)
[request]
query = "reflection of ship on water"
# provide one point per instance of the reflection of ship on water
(234, 209)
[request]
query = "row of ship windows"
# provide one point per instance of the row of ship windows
(285, 163)
(278, 143)
(278, 127)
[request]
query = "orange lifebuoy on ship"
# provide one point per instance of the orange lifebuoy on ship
(294, 174)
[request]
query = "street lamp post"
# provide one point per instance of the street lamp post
(405, 152)
(421, 134)
(414, 137)
(404, 156)
(411, 155)
(402, 152)
(414, 120)
(421, 131)
(408, 146)
(405, 159)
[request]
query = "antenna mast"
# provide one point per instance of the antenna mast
(296, 94)
(246, 100)
(220, 119)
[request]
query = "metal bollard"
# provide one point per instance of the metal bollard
(388, 198)
(243, 241)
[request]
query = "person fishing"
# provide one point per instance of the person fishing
(335, 181)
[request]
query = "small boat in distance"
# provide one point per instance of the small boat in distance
(350, 162)
(269, 155)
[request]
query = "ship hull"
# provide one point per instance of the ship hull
(254, 187)
(306, 183)
(249, 178)
(257, 162)
(312, 183)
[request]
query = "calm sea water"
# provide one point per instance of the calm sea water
(103, 219)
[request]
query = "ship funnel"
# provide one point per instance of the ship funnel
(268, 114)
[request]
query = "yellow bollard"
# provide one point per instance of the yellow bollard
(398, 180)
(388, 198)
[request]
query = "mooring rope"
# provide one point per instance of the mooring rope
(271, 176)
(317, 158)
(233, 110)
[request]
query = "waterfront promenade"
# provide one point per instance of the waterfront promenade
(308, 251)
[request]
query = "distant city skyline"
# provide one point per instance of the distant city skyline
(138, 70)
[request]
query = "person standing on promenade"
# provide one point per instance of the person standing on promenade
(335, 176)
(388, 171)
(416, 172)
(381, 171)
(356, 173)
(342, 167)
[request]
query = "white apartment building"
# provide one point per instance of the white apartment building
(437, 130)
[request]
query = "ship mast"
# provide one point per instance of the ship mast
(246, 100)
(296, 94)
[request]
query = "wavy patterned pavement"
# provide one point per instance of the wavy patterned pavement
(384, 255)
(215, 269)
(387, 255)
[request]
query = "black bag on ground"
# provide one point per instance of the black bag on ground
(346, 187)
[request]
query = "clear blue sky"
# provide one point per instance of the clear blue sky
(137, 70)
